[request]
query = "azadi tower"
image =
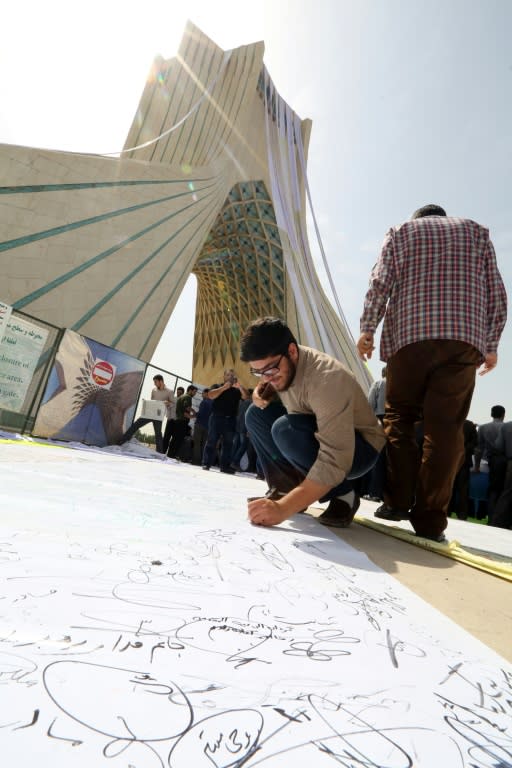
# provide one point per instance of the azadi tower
(211, 181)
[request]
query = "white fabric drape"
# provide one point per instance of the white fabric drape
(288, 176)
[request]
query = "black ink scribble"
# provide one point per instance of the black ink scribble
(232, 637)
(357, 740)
(395, 647)
(275, 557)
(122, 704)
(35, 718)
(225, 739)
(238, 609)
(17, 669)
(52, 735)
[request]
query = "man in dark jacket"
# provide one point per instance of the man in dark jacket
(222, 423)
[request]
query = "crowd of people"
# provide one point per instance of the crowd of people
(315, 433)
(482, 488)
(489, 451)
(209, 434)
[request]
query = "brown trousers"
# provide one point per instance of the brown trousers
(431, 382)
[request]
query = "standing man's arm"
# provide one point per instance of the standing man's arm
(365, 345)
(189, 411)
(479, 450)
(499, 443)
(490, 362)
(213, 394)
(243, 391)
(473, 440)
(496, 309)
(170, 404)
(382, 279)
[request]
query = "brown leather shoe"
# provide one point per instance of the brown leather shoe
(339, 513)
(390, 513)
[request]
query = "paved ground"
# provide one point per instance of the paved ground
(477, 601)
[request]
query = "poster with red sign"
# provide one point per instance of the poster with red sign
(91, 392)
(103, 373)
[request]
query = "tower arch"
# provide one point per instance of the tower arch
(240, 275)
(211, 181)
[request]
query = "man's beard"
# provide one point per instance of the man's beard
(290, 376)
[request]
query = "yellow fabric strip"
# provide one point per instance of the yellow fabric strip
(500, 566)
(28, 442)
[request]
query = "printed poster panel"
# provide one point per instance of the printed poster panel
(5, 314)
(21, 346)
(91, 393)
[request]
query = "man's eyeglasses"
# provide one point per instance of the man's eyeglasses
(270, 372)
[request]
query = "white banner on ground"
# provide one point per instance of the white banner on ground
(146, 623)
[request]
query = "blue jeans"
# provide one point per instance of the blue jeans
(373, 483)
(287, 449)
(239, 447)
(219, 426)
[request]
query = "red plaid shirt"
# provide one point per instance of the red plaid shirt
(439, 279)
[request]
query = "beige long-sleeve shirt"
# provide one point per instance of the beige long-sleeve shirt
(323, 387)
(163, 395)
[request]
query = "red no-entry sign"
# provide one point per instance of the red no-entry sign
(103, 373)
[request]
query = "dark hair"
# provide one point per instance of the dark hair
(429, 210)
(191, 387)
(158, 377)
(497, 412)
(265, 337)
(206, 390)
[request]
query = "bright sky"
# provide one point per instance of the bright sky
(411, 103)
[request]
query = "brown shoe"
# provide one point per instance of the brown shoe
(339, 513)
(390, 513)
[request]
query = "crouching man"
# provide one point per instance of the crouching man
(311, 425)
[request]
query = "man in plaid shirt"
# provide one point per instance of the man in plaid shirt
(444, 305)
